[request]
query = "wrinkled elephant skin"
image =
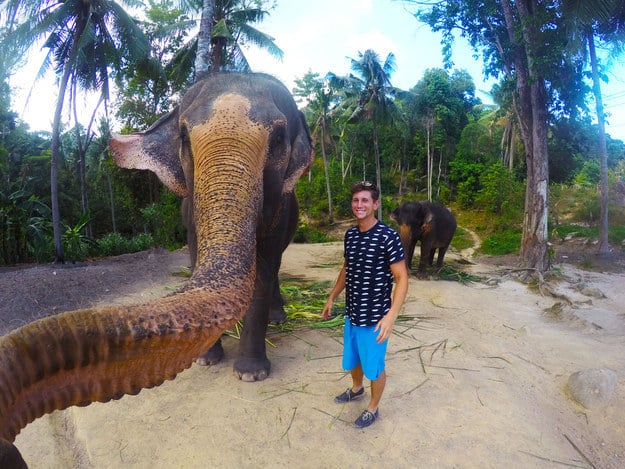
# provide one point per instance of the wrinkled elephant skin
(233, 149)
(430, 223)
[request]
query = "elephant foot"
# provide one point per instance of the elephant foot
(214, 355)
(421, 275)
(277, 316)
(252, 369)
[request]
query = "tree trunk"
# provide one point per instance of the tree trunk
(428, 129)
(378, 177)
(604, 246)
(532, 116)
(202, 56)
(54, 177)
(327, 172)
(112, 200)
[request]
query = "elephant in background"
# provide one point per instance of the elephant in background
(234, 149)
(432, 224)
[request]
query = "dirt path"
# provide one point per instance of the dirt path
(476, 378)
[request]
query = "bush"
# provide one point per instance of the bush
(113, 244)
(141, 242)
(500, 243)
(307, 234)
(164, 221)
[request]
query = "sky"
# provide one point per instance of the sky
(322, 35)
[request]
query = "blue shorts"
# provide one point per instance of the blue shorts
(360, 348)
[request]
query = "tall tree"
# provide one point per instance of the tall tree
(226, 26)
(145, 91)
(443, 103)
(604, 20)
(83, 40)
(319, 96)
(373, 100)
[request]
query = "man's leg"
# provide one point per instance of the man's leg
(357, 378)
(377, 388)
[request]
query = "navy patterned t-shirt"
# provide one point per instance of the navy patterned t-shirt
(369, 280)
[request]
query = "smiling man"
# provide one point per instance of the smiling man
(374, 260)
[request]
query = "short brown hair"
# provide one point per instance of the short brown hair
(366, 186)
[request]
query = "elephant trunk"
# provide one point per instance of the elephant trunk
(101, 354)
(228, 167)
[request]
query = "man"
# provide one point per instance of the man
(373, 259)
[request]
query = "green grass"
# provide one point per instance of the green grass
(501, 243)
(462, 239)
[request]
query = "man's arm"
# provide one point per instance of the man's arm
(339, 286)
(385, 325)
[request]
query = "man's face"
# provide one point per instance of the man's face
(363, 206)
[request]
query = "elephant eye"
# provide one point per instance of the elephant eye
(277, 141)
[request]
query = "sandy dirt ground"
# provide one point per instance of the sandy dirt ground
(477, 377)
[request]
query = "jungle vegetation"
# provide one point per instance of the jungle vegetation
(507, 170)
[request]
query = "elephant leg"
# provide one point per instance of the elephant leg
(431, 257)
(277, 314)
(410, 254)
(186, 210)
(252, 363)
(423, 261)
(214, 355)
(441, 256)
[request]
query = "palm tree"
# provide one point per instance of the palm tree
(605, 20)
(225, 26)
(144, 92)
(233, 20)
(368, 97)
(83, 40)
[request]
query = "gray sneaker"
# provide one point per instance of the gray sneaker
(349, 396)
(366, 419)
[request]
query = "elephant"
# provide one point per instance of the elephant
(429, 222)
(233, 149)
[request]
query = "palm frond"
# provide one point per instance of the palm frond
(262, 40)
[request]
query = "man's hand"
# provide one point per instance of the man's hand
(385, 328)
(327, 310)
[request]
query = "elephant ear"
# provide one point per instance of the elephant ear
(427, 223)
(301, 153)
(157, 149)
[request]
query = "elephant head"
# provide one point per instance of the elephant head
(234, 148)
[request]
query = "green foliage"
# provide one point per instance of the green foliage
(562, 231)
(24, 226)
(462, 239)
(468, 185)
(164, 221)
(309, 234)
(114, 244)
(589, 175)
(76, 245)
(499, 193)
(145, 90)
(501, 243)
(616, 236)
(588, 210)
(616, 233)
(304, 303)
